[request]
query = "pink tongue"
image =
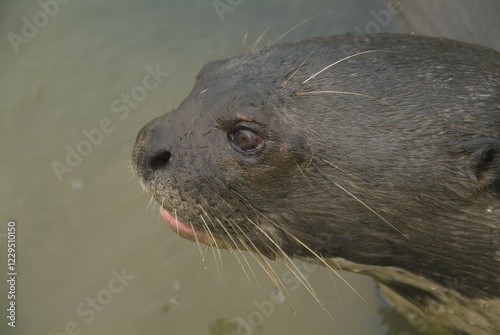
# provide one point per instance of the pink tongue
(176, 225)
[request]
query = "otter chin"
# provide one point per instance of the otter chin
(381, 158)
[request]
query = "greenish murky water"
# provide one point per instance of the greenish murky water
(92, 256)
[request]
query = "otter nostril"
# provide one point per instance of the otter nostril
(160, 160)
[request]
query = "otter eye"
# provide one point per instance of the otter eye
(246, 140)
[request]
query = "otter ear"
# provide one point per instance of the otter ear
(485, 159)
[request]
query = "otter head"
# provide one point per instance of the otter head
(225, 166)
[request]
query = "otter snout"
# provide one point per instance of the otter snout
(151, 152)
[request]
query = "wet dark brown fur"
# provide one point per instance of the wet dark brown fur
(384, 154)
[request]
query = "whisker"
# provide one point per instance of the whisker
(130, 178)
(359, 200)
(295, 270)
(334, 292)
(341, 93)
(298, 274)
(270, 272)
(206, 248)
(303, 175)
(264, 264)
(341, 169)
(340, 61)
(274, 243)
(176, 220)
(298, 25)
(197, 243)
(210, 231)
(244, 40)
(141, 189)
(236, 249)
(238, 231)
(257, 41)
(153, 208)
(214, 241)
(262, 261)
(145, 209)
(211, 247)
(150, 201)
(301, 64)
(322, 260)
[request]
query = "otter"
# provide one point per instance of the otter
(380, 156)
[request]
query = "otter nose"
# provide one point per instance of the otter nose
(159, 160)
(151, 153)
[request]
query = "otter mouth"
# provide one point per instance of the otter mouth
(209, 237)
(191, 232)
(177, 225)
